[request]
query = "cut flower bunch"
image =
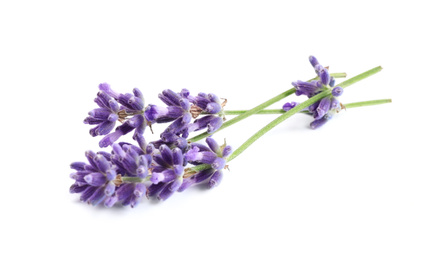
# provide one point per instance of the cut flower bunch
(175, 161)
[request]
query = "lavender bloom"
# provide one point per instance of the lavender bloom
(323, 110)
(94, 181)
(211, 123)
(208, 103)
(177, 107)
(177, 112)
(105, 116)
(181, 108)
(128, 194)
(132, 160)
(167, 173)
(337, 91)
(110, 111)
(131, 103)
(289, 105)
(212, 154)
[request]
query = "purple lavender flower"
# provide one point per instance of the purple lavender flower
(132, 160)
(131, 103)
(167, 173)
(323, 110)
(130, 112)
(128, 194)
(214, 155)
(105, 116)
(208, 103)
(181, 108)
(289, 105)
(94, 181)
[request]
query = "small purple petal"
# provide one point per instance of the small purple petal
(290, 105)
(107, 89)
(215, 179)
(227, 151)
(124, 191)
(213, 145)
(214, 124)
(95, 179)
(166, 192)
(110, 201)
(337, 91)
(87, 193)
(323, 107)
(140, 190)
(75, 188)
(213, 108)
(166, 154)
(110, 189)
(313, 61)
(318, 123)
(97, 197)
(218, 164)
(79, 166)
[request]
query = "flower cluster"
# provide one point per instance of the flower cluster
(327, 107)
(156, 169)
(129, 172)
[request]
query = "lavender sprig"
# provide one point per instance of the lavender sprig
(160, 168)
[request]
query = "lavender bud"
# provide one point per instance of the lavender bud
(166, 192)
(337, 91)
(78, 166)
(109, 188)
(318, 123)
(289, 105)
(213, 108)
(215, 179)
(97, 197)
(110, 201)
(227, 151)
(313, 61)
(324, 75)
(140, 190)
(186, 184)
(218, 164)
(213, 145)
(176, 184)
(214, 124)
(332, 82)
(323, 107)
(95, 179)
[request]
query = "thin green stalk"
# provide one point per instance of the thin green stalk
(134, 179)
(257, 109)
(297, 109)
(281, 111)
(367, 103)
(262, 112)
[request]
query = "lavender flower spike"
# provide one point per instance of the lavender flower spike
(323, 110)
(167, 173)
(212, 154)
(94, 181)
(105, 116)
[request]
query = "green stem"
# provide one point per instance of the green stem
(134, 179)
(297, 109)
(281, 111)
(367, 103)
(257, 109)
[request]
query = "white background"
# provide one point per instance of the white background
(368, 185)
